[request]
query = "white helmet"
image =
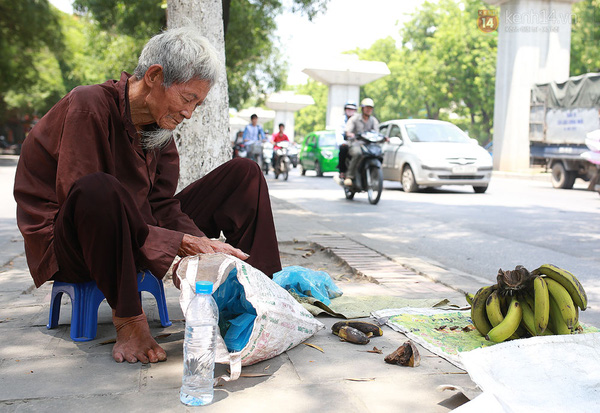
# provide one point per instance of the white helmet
(350, 105)
(367, 102)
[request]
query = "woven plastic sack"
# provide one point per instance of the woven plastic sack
(281, 323)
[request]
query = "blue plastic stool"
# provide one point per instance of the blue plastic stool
(86, 299)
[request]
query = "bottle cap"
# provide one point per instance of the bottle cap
(204, 287)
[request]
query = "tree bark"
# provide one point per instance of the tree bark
(203, 140)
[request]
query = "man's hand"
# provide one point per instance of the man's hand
(191, 245)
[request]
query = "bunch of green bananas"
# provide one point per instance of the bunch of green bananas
(522, 304)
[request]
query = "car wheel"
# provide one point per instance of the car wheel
(409, 184)
(302, 170)
(480, 189)
(561, 178)
(318, 169)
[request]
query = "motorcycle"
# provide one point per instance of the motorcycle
(8, 148)
(267, 156)
(369, 174)
(254, 151)
(239, 150)
(282, 165)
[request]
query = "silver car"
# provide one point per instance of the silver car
(433, 153)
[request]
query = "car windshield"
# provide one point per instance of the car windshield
(328, 140)
(435, 132)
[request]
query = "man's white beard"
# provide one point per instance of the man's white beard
(156, 139)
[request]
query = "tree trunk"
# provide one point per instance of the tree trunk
(203, 140)
(226, 7)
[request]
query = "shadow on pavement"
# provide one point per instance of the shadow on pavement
(9, 160)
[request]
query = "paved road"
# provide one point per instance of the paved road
(515, 222)
(9, 233)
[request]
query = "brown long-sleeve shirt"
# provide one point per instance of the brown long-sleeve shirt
(90, 130)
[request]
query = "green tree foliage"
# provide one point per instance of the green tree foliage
(26, 27)
(86, 55)
(469, 57)
(253, 62)
(139, 18)
(94, 55)
(585, 37)
(45, 53)
(443, 69)
(42, 91)
(311, 118)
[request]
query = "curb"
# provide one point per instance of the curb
(380, 268)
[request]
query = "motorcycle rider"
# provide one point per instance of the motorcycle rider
(238, 143)
(349, 111)
(278, 137)
(253, 136)
(357, 124)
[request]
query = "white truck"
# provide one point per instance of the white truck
(561, 114)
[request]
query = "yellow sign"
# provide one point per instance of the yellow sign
(487, 20)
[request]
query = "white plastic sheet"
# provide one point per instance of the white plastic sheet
(538, 374)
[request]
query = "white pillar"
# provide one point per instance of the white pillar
(344, 75)
(338, 96)
(285, 103)
(534, 39)
(264, 115)
(287, 118)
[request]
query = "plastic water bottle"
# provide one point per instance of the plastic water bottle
(199, 346)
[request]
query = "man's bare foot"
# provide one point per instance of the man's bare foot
(135, 342)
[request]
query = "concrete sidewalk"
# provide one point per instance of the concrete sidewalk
(43, 370)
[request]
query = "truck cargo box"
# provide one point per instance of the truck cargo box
(562, 113)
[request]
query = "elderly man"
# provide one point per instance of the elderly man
(96, 180)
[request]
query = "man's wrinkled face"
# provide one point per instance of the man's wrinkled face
(367, 110)
(170, 106)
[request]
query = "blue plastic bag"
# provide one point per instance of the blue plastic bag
(236, 314)
(308, 283)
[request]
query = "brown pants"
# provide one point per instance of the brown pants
(99, 229)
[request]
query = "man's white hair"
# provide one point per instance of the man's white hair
(183, 53)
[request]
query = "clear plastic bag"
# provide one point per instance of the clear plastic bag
(308, 283)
